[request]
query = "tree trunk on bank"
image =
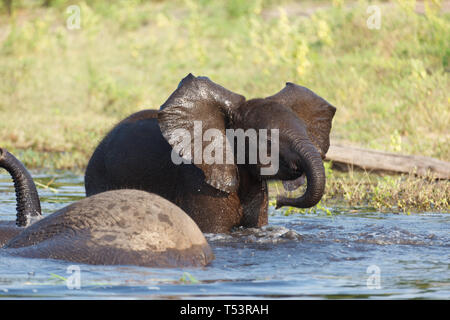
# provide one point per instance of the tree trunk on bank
(345, 157)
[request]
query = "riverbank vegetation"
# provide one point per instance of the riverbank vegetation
(404, 193)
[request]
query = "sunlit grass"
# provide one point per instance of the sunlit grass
(406, 193)
(61, 90)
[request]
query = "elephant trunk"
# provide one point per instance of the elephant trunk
(312, 165)
(28, 204)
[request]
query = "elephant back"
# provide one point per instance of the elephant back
(117, 227)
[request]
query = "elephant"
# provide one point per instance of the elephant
(143, 152)
(117, 227)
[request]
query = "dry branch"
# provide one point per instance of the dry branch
(373, 160)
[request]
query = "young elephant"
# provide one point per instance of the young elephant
(122, 227)
(218, 195)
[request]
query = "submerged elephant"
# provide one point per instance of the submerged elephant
(139, 152)
(121, 227)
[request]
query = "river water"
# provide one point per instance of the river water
(352, 253)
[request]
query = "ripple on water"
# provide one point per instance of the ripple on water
(264, 235)
(301, 255)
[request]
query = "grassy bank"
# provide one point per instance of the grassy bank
(62, 89)
(405, 193)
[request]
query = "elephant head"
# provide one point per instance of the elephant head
(299, 122)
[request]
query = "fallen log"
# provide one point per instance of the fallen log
(346, 157)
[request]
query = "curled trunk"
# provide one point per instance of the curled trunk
(312, 165)
(28, 204)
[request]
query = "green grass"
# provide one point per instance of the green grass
(405, 193)
(61, 90)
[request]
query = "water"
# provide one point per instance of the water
(351, 254)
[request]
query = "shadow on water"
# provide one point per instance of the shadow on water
(354, 253)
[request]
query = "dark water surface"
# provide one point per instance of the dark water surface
(350, 254)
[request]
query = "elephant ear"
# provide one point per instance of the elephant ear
(198, 104)
(316, 112)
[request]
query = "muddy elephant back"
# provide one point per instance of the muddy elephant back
(120, 227)
(8, 230)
